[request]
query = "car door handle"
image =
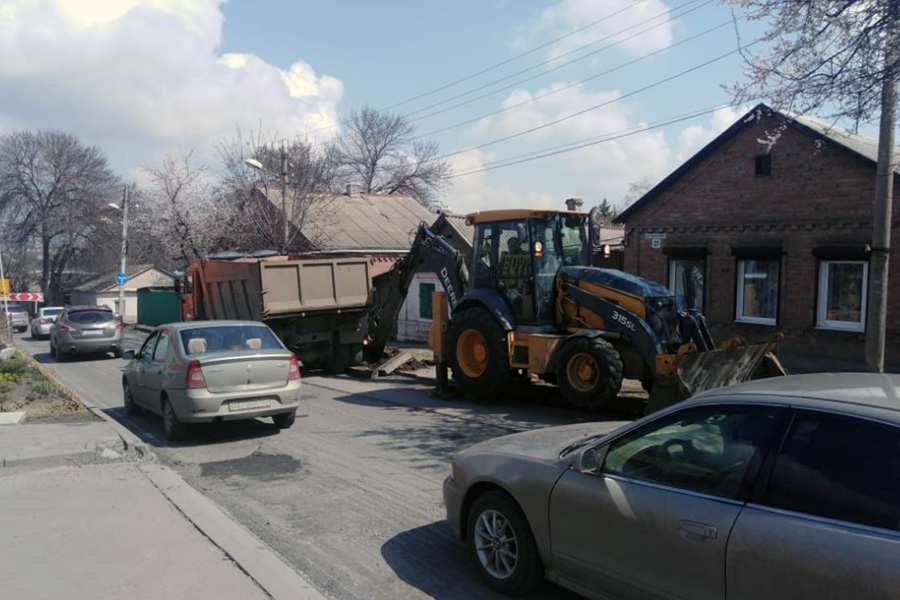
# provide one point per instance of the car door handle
(694, 530)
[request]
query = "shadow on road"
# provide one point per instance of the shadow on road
(148, 427)
(413, 554)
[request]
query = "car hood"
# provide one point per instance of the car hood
(545, 443)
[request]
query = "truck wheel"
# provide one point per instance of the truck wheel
(590, 372)
(479, 356)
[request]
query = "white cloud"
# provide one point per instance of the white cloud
(569, 15)
(693, 137)
(475, 192)
(140, 77)
(595, 172)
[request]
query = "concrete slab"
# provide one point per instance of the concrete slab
(104, 532)
(12, 418)
(43, 440)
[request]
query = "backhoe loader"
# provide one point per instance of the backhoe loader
(529, 305)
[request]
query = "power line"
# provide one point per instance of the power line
(513, 58)
(600, 105)
(608, 138)
(566, 87)
(574, 50)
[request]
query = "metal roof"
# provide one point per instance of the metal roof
(107, 281)
(372, 222)
(861, 146)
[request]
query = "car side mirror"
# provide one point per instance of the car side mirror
(591, 459)
(129, 355)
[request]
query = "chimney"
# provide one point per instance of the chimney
(574, 203)
(353, 189)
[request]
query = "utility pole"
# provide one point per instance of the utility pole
(284, 214)
(124, 251)
(2, 277)
(876, 314)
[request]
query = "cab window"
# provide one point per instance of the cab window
(162, 348)
(484, 256)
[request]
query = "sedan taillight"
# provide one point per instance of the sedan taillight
(194, 378)
(294, 371)
(43, 320)
(62, 327)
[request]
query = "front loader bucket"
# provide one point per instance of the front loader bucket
(700, 371)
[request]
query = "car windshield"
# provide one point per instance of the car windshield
(15, 308)
(50, 312)
(90, 316)
(228, 338)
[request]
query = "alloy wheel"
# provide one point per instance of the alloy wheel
(496, 544)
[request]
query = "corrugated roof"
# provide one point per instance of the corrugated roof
(104, 282)
(860, 145)
(361, 221)
(465, 231)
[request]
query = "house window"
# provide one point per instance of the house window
(677, 269)
(757, 291)
(763, 165)
(426, 310)
(842, 294)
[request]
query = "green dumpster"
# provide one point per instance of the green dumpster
(157, 306)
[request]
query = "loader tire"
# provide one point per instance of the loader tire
(478, 354)
(590, 373)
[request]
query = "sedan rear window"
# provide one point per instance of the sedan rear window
(91, 316)
(228, 338)
(50, 312)
(15, 308)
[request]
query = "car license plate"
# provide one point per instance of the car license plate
(237, 405)
(92, 332)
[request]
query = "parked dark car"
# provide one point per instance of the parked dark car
(86, 330)
(781, 488)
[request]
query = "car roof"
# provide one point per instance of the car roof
(81, 307)
(183, 325)
(863, 394)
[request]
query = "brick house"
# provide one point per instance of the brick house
(776, 214)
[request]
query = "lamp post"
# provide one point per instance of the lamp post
(258, 166)
(124, 210)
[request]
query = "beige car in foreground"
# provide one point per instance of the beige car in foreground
(209, 371)
(783, 489)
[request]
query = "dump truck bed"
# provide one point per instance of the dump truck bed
(263, 289)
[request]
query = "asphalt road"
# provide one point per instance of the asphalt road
(351, 495)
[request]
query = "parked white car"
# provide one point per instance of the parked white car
(41, 323)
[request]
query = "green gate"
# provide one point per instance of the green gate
(157, 306)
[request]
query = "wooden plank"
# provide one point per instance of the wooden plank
(391, 365)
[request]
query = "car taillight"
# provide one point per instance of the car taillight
(294, 371)
(43, 320)
(194, 378)
(120, 325)
(65, 328)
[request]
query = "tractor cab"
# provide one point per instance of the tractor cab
(519, 252)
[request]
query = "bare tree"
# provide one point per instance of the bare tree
(839, 58)
(379, 151)
(51, 189)
(309, 175)
(179, 213)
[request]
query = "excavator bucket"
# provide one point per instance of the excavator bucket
(700, 371)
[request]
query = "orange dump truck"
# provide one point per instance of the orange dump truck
(314, 305)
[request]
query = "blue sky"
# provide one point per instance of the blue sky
(143, 78)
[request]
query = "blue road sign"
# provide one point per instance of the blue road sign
(121, 278)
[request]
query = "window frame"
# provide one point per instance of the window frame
(671, 275)
(149, 344)
(739, 317)
(822, 322)
(162, 334)
(758, 495)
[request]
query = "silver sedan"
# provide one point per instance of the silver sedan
(786, 488)
(208, 371)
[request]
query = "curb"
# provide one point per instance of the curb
(250, 554)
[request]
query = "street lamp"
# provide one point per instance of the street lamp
(124, 210)
(258, 166)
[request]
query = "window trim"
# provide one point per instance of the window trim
(822, 322)
(739, 294)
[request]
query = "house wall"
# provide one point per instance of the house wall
(111, 300)
(818, 196)
(413, 321)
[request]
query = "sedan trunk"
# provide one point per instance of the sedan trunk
(245, 372)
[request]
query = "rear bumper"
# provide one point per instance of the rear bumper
(199, 406)
(87, 345)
